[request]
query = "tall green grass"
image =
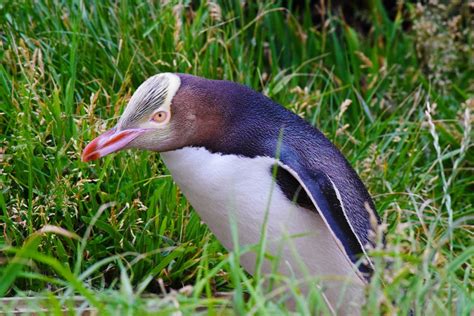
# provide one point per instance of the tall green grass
(119, 228)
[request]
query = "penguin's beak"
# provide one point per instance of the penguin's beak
(109, 142)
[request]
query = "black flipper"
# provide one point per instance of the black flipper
(316, 187)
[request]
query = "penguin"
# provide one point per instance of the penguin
(242, 159)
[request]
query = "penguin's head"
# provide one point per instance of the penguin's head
(167, 112)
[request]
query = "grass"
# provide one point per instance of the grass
(118, 229)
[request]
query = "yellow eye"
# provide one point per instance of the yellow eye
(160, 116)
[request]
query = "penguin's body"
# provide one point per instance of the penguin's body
(237, 155)
(241, 190)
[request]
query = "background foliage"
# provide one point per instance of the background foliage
(391, 87)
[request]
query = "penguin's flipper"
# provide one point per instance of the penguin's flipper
(325, 198)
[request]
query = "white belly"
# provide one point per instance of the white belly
(226, 187)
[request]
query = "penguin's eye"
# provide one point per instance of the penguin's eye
(160, 116)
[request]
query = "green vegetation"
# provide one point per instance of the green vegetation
(397, 99)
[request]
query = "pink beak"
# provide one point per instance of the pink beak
(109, 142)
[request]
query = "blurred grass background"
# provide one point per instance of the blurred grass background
(392, 87)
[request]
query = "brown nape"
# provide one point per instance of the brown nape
(196, 115)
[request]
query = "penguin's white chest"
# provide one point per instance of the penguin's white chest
(225, 188)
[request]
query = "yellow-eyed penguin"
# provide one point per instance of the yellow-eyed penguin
(221, 142)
